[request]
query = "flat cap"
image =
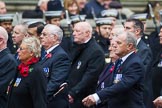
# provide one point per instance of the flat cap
(140, 16)
(6, 17)
(103, 21)
(53, 14)
(77, 18)
(32, 21)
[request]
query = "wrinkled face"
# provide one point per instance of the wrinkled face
(160, 36)
(7, 25)
(47, 39)
(121, 45)
(17, 35)
(2, 8)
(79, 34)
(112, 54)
(24, 53)
(73, 9)
(105, 30)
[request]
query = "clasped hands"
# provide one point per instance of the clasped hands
(158, 102)
(89, 101)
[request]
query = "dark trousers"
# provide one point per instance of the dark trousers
(59, 101)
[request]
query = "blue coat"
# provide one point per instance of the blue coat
(127, 93)
(56, 69)
(93, 5)
(8, 68)
(144, 52)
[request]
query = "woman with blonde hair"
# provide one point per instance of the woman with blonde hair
(28, 89)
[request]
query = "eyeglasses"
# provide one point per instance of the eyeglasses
(22, 48)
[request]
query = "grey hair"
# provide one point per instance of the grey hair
(119, 29)
(4, 33)
(53, 29)
(23, 29)
(41, 1)
(86, 26)
(130, 38)
(33, 44)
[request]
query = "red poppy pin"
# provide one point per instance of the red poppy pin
(49, 55)
(111, 69)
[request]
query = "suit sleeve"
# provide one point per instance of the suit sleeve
(146, 57)
(90, 77)
(7, 71)
(59, 74)
(130, 77)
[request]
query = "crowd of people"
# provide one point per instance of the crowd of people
(112, 65)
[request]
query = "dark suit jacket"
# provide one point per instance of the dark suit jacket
(56, 69)
(146, 56)
(7, 71)
(88, 63)
(10, 45)
(128, 93)
(144, 53)
(105, 80)
(157, 75)
(105, 77)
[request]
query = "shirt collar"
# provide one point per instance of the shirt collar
(50, 49)
(138, 40)
(126, 56)
(87, 40)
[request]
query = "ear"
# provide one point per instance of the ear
(31, 54)
(97, 28)
(137, 31)
(129, 46)
(55, 38)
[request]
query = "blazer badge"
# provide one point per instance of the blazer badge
(79, 64)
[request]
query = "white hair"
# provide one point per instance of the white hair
(4, 33)
(53, 29)
(41, 1)
(33, 44)
(118, 29)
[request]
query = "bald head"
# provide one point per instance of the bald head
(82, 32)
(85, 26)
